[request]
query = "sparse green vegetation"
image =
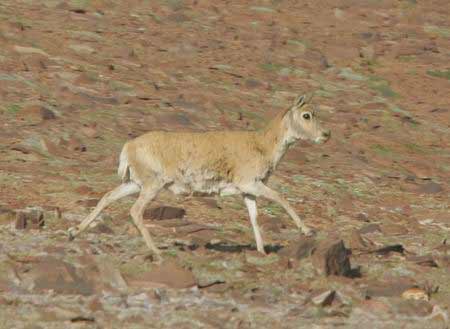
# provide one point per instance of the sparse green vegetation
(437, 30)
(382, 86)
(445, 74)
(12, 109)
(382, 150)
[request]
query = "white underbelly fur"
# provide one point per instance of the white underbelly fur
(202, 183)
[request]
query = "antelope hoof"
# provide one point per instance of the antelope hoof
(72, 233)
(262, 252)
(308, 231)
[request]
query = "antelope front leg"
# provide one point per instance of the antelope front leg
(259, 189)
(250, 202)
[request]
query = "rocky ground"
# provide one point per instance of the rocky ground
(78, 78)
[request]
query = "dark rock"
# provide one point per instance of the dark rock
(388, 249)
(164, 212)
(332, 258)
(82, 318)
(227, 247)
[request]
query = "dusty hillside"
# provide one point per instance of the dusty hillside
(78, 78)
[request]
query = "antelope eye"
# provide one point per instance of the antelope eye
(306, 116)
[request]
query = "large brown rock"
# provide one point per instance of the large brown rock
(59, 276)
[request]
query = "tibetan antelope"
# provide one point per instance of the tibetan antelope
(214, 162)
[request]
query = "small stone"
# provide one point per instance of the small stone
(164, 212)
(332, 258)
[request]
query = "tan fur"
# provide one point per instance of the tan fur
(223, 162)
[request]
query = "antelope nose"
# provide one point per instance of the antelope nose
(326, 134)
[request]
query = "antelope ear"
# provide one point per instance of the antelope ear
(299, 101)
